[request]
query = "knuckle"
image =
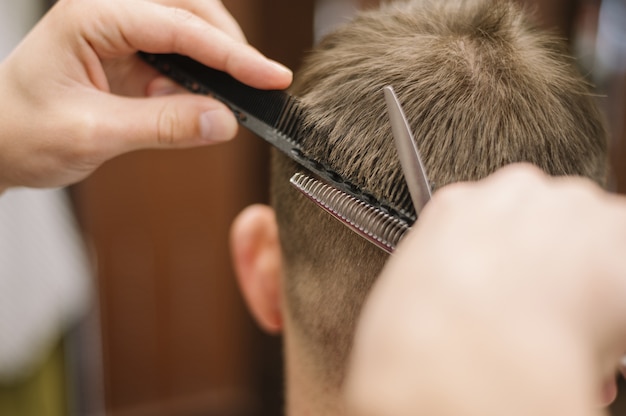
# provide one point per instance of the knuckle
(450, 193)
(179, 18)
(85, 137)
(168, 123)
(523, 171)
(182, 15)
(82, 147)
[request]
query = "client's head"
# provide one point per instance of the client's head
(481, 88)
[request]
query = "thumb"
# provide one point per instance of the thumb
(168, 121)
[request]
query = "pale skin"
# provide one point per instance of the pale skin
(257, 258)
(494, 319)
(508, 297)
(74, 94)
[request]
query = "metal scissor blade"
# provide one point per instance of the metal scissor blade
(412, 166)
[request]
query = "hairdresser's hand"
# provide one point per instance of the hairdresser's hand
(508, 297)
(74, 94)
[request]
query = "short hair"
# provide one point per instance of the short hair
(481, 86)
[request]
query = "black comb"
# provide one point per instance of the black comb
(265, 112)
(274, 115)
(278, 118)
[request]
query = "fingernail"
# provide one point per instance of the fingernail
(624, 361)
(280, 67)
(163, 86)
(167, 91)
(214, 126)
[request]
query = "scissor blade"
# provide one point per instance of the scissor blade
(412, 166)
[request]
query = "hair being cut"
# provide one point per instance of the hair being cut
(481, 88)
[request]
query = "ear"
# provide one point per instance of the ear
(256, 253)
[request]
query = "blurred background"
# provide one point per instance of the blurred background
(117, 295)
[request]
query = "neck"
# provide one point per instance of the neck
(307, 394)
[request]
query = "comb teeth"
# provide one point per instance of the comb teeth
(290, 122)
(278, 118)
(269, 106)
(370, 222)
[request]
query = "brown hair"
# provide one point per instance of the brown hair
(481, 88)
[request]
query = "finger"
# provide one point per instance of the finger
(150, 27)
(174, 121)
(164, 86)
(520, 173)
(214, 12)
(219, 16)
(130, 77)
